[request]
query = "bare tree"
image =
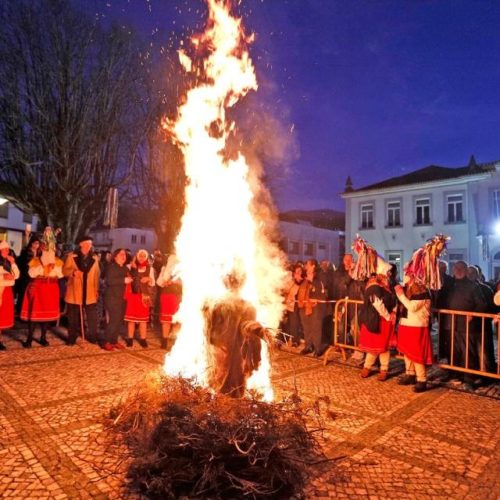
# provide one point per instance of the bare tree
(71, 115)
(156, 189)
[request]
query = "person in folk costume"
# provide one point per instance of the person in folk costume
(9, 272)
(27, 253)
(170, 297)
(41, 299)
(81, 268)
(422, 277)
(139, 297)
(117, 277)
(311, 297)
(377, 314)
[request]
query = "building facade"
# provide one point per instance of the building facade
(125, 237)
(302, 241)
(13, 223)
(398, 215)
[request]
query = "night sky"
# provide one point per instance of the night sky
(368, 88)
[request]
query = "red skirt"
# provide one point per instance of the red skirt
(376, 343)
(169, 305)
(137, 309)
(415, 343)
(41, 301)
(7, 309)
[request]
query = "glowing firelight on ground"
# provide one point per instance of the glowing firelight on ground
(221, 232)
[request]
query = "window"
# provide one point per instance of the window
(496, 203)
(455, 205)
(395, 257)
(422, 211)
(393, 213)
(133, 238)
(143, 239)
(4, 211)
(27, 218)
(309, 249)
(322, 246)
(367, 216)
(294, 247)
(455, 255)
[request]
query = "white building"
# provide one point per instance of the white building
(124, 237)
(13, 224)
(302, 241)
(398, 215)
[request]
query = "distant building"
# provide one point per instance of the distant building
(301, 241)
(124, 237)
(13, 224)
(398, 215)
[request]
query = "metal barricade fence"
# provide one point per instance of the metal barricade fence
(465, 339)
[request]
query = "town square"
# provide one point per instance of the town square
(249, 249)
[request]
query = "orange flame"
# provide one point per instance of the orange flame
(220, 233)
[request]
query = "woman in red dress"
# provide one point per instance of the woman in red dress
(9, 272)
(414, 337)
(377, 321)
(41, 299)
(138, 295)
(170, 297)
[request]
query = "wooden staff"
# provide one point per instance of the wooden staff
(82, 328)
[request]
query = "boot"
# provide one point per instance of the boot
(2, 347)
(407, 380)
(143, 343)
(129, 342)
(365, 373)
(420, 387)
(43, 337)
(382, 376)
(29, 338)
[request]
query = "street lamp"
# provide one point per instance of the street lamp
(3, 201)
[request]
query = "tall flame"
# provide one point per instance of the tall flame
(220, 231)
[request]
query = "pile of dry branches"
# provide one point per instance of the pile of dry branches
(188, 442)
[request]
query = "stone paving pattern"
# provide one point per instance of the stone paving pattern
(384, 441)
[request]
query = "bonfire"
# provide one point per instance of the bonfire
(208, 428)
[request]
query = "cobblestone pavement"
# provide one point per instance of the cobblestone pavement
(384, 440)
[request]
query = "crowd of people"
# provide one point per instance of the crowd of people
(395, 316)
(96, 292)
(100, 292)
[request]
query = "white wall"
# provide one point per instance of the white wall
(12, 227)
(407, 238)
(123, 237)
(325, 243)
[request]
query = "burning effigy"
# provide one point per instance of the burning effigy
(208, 427)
